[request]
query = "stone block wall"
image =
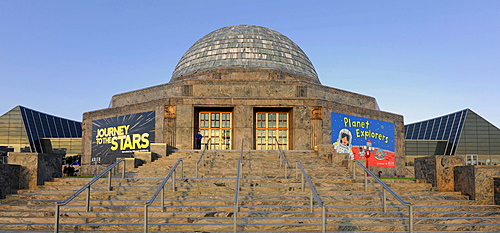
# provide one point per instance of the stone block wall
(477, 182)
(438, 170)
(9, 179)
(36, 168)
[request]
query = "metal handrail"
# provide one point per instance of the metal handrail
(388, 189)
(86, 187)
(161, 188)
(236, 195)
(315, 194)
(283, 160)
(201, 156)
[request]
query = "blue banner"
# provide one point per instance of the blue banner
(364, 138)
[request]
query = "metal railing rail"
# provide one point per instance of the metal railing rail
(314, 194)
(283, 160)
(200, 160)
(108, 170)
(236, 195)
(161, 188)
(385, 189)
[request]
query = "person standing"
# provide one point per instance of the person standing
(197, 143)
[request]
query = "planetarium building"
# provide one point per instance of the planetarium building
(244, 87)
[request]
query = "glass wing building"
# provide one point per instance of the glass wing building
(460, 133)
(26, 130)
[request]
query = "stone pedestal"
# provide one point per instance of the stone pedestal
(9, 179)
(36, 168)
(477, 182)
(145, 157)
(336, 159)
(159, 150)
(130, 164)
(438, 170)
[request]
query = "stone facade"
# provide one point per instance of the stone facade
(477, 182)
(242, 98)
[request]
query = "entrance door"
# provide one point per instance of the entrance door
(272, 127)
(216, 127)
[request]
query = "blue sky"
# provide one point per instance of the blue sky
(420, 59)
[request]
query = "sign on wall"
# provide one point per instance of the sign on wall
(364, 138)
(121, 136)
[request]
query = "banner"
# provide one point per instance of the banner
(121, 136)
(364, 139)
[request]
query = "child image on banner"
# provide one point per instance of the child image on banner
(344, 143)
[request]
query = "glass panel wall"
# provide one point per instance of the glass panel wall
(26, 130)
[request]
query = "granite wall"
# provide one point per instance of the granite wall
(438, 170)
(9, 179)
(477, 182)
(496, 184)
(230, 82)
(36, 168)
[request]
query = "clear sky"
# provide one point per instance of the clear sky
(421, 59)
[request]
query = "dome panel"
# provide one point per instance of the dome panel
(245, 46)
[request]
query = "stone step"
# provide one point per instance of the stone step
(262, 225)
(268, 202)
(330, 214)
(373, 207)
(227, 218)
(196, 195)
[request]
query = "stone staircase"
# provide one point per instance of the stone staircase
(268, 200)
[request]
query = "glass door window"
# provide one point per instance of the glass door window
(272, 127)
(216, 127)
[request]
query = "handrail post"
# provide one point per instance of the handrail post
(323, 220)
(286, 170)
(366, 182)
(196, 170)
(87, 203)
(182, 169)
(235, 216)
(109, 181)
(410, 224)
(303, 183)
(56, 224)
(384, 200)
(296, 170)
(123, 169)
(311, 202)
(163, 199)
(236, 194)
(173, 181)
(145, 218)
(353, 169)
